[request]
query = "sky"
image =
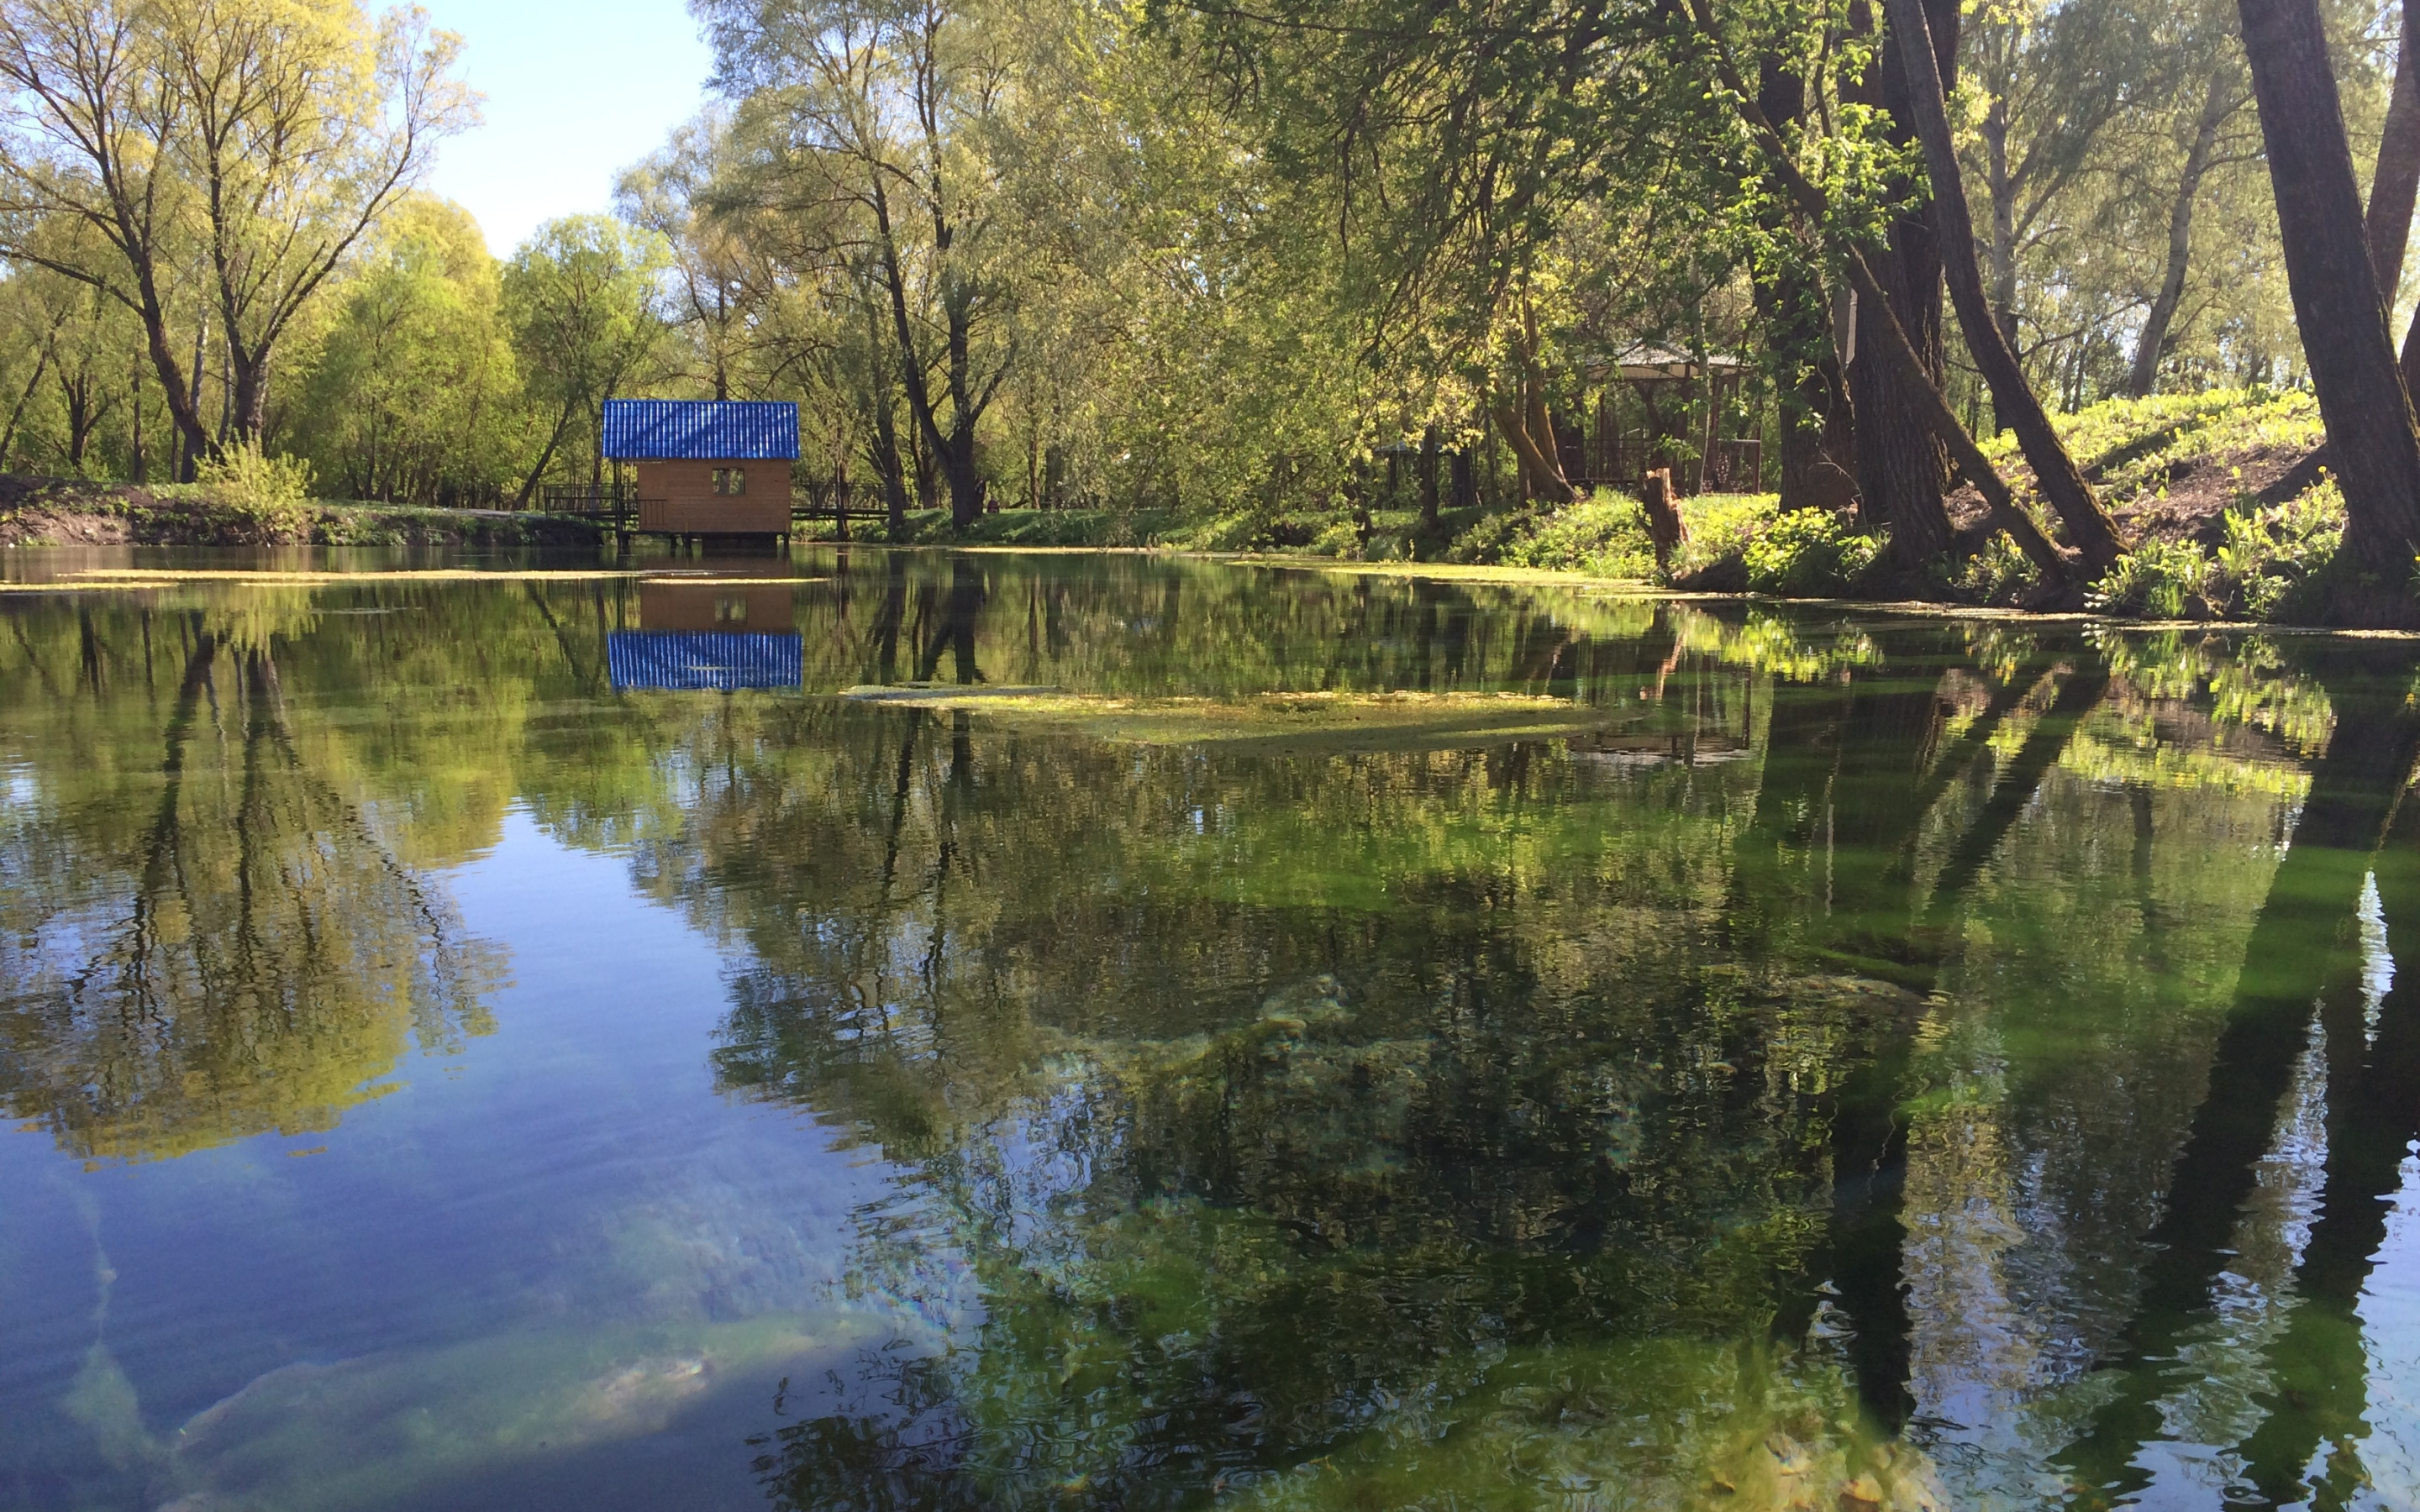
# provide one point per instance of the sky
(576, 92)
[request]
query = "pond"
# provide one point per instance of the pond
(927, 1030)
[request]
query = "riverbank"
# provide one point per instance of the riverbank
(2223, 494)
(71, 512)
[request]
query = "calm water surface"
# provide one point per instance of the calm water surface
(525, 1041)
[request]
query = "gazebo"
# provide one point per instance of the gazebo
(706, 466)
(1641, 422)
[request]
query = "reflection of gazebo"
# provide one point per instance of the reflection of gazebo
(1641, 422)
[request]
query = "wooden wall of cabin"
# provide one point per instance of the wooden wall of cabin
(678, 498)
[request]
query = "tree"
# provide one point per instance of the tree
(580, 298)
(715, 309)
(2225, 92)
(233, 151)
(415, 393)
(2352, 360)
(883, 112)
(2012, 398)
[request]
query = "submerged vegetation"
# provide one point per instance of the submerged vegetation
(1307, 1038)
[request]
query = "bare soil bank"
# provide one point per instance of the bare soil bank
(37, 511)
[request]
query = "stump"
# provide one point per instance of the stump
(1665, 525)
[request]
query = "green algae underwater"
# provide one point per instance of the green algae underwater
(926, 1030)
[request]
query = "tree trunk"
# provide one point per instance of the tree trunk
(2396, 182)
(2336, 304)
(1542, 476)
(2002, 188)
(1429, 500)
(1903, 474)
(1818, 434)
(1899, 355)
(882, 449)
(2013, 400)
(2149, 346)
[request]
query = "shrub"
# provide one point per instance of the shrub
(1809, 553)
(2269, 552)
(273, 492)
(2163, 579)
(1607, 535)
(2001, 573)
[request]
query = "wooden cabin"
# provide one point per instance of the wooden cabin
(706, 466)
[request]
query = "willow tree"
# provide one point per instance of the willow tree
(579, 297)
(229, 152)
(878, 116)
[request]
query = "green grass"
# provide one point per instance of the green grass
(2133, 446)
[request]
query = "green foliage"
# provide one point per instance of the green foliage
(2270, 564)
(1604, 535)
(274, 493)
(417, 395)
(2162, 580)
(579, 299)
(1809, 553)
(2001, 573)
(2270, 553)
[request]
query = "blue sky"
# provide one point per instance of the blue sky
(576, 90)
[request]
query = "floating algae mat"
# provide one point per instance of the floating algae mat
(1603, 1051)
(1324, 718)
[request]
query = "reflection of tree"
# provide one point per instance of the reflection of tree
(1314, 1155)
(2303, 955)
(250, 956)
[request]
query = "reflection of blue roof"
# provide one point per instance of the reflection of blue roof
(700, 430)
(685, 661)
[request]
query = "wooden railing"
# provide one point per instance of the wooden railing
(606, 501)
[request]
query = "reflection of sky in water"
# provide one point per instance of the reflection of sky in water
(577, 1170)
(2390, 1317)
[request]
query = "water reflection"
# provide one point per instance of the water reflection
(704, 635)
(218, 940)
(1851, 1063)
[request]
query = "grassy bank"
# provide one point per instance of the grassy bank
(2229, 517)
(69, 511)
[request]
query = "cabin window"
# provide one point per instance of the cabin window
(731, 611)
(730, 481)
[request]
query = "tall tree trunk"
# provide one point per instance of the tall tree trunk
(2013, 401)
(17, 412)
(2003, 190)
(1429, 490)
(956, 450)
(1818, 436)
(2336, 304)
(2397, 181)
(2218, 103)
(1527, 425)
(1902, 473)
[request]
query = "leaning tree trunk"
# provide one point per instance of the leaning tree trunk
(2013, 400)
(2337, 303)
(1896, 353)
(2395, 183)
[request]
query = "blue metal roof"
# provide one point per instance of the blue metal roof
(700, 430)
(682, 661)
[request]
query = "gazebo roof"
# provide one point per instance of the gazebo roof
(1649, 361)
(700, 430)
